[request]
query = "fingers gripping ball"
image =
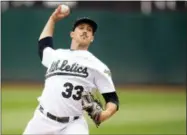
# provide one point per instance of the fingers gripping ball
(60, 12)
(64, 8)
(92, 106)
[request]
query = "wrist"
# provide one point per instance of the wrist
(104, 115)
(52, 19)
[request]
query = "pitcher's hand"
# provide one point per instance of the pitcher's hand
(58, 15)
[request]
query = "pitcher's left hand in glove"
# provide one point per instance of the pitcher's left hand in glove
(92, 106)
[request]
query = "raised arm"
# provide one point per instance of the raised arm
(49, 27)
(46, 40)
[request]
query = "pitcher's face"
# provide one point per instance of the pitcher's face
(83, 34)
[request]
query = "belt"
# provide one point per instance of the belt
(55, 118)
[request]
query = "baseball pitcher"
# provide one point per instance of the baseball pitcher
(71, 76)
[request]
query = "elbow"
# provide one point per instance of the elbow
(116, 102)
(112, 98)
(114, 105)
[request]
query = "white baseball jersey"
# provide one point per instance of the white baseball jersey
(69, 73)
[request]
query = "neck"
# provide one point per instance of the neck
(78, 46)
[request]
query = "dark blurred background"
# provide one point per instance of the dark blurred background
(141, 42)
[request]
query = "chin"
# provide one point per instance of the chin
(84, 43)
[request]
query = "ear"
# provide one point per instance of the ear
(72, 34)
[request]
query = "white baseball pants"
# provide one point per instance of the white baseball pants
(41, 124)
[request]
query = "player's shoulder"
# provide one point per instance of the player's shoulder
(99, 63)
(62, 50)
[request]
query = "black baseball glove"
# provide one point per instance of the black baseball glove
(92, 106)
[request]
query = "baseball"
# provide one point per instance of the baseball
(64, 8)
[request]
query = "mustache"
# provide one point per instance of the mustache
(84, 34)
